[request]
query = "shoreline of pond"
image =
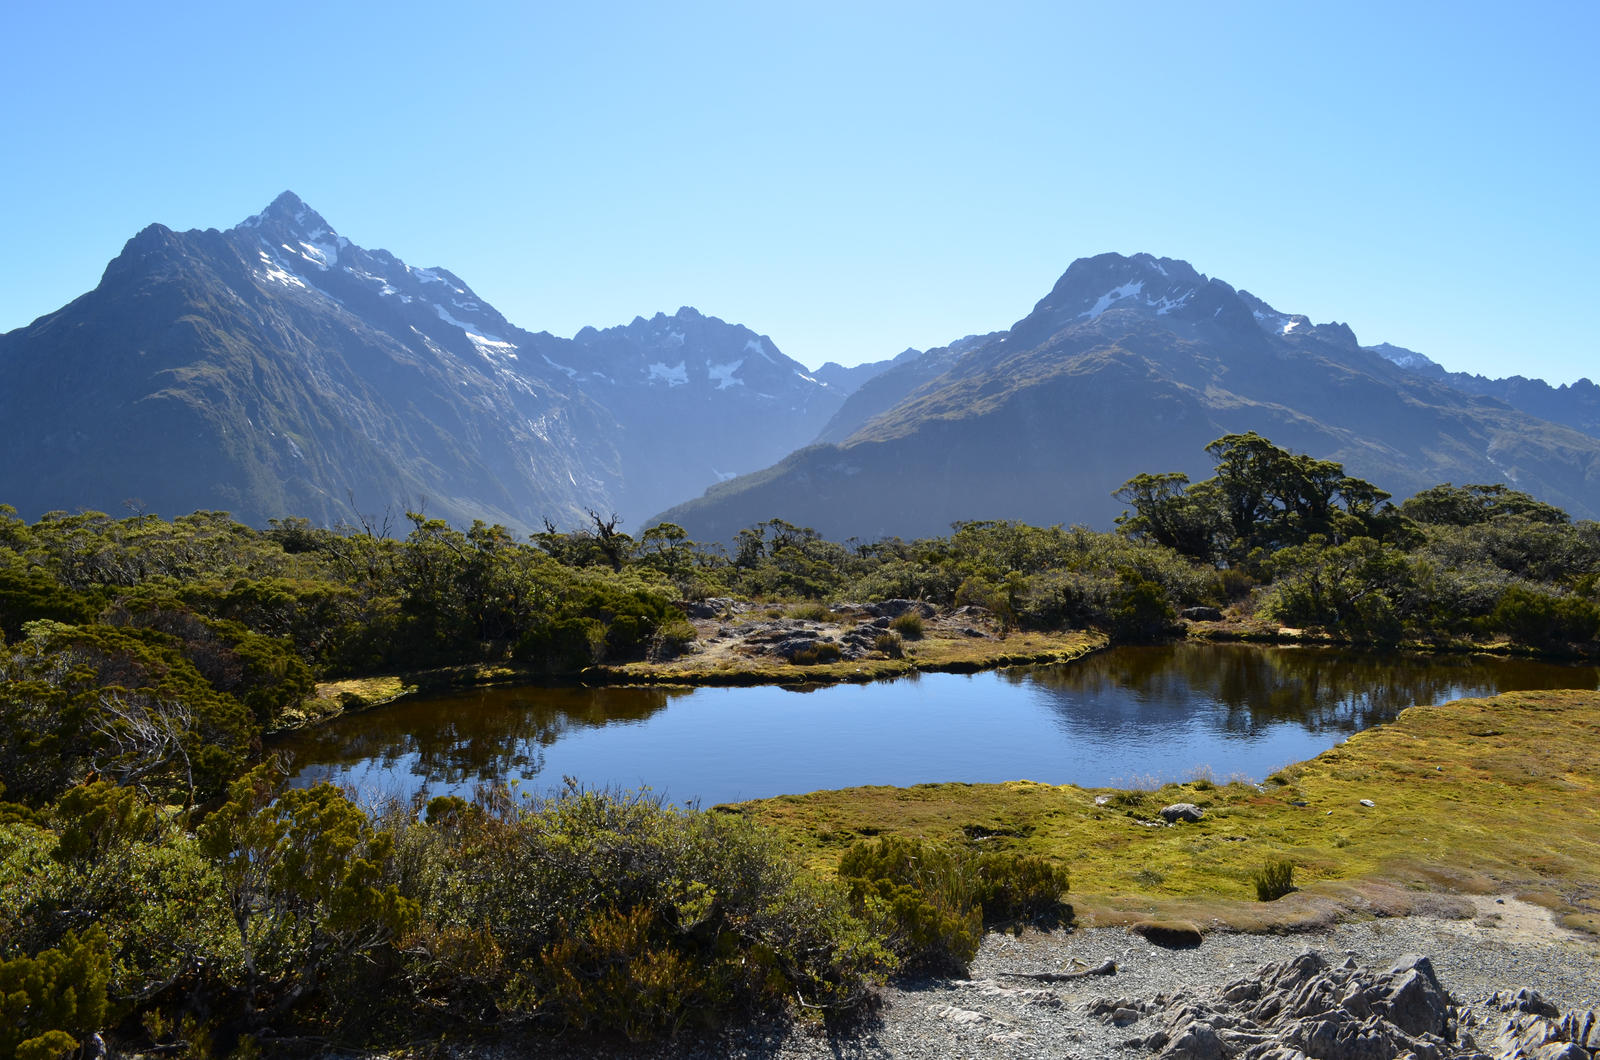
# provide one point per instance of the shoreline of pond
(336, 698)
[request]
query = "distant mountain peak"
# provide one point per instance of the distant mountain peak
(289, 211)
(1153, 287)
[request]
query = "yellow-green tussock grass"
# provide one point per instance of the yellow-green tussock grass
(1470, 796)
(335, 697)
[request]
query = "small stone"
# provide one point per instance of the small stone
(1368, 802)
(1181, 811)
(961, 1016)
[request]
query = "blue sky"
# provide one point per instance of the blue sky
(850, 179)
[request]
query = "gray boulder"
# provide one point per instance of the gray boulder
(1308, 1009)
(1181, 811)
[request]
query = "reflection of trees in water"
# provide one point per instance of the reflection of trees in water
(481, 735)
(1259, 686)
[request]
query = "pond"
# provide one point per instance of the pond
(1126, 717)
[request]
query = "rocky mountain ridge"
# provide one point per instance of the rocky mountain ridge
(277, 368)
(1134, 364)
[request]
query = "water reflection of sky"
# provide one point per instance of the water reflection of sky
(1123, 717)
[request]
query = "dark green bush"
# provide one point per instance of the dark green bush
(928, 934)
(890, 644)
(26, 595)
(48, 1002)
(564, 646)
(1275, 880)
(671, 639)
(1140, 611)
(1015, 887)
(931, 901)
(1545, 620)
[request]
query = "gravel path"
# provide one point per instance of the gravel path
(1508, 945)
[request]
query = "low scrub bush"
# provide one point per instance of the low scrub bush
(921, 898)
(614, 912)
(1141, 612)
(932, 901)
(1014, 887)
(890, 644)
(1275, 880)
(908, 624)
(811, 612)
(675, 637)
(823, 651)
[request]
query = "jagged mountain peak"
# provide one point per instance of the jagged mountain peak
(289, 211)
(1165, 288)
(289, 225)
(1091, 286)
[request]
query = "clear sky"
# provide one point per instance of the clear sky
(852, 178)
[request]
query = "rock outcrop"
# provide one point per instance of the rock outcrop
(1309, 1009)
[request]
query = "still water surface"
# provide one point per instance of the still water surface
(1124, 717)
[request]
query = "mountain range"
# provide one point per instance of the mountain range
(1134, 364)
(276, 368)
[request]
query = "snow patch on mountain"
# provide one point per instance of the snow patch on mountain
(1111, 298)
(1278, 323)
(431, 276)
(1165, 305)
(491, 346)
(722, 374)
(322, 255)
(673, 375)
(572, 373)
(275, 272)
